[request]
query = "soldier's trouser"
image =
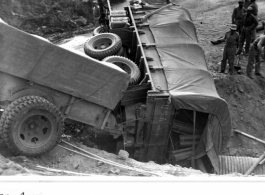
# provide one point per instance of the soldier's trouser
(238, 23)
(254, 56)
(253, 35)
(229, 54)
(246, 34)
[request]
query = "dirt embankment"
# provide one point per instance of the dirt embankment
(44, 17)
(245, 97)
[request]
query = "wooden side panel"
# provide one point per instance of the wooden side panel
(159, 119)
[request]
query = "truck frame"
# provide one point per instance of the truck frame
(174, 114)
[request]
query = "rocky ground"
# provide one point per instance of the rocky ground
(246, 98)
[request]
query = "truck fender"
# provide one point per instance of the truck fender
(31, 92)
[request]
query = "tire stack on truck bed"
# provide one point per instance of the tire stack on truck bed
(108, 46)
(103, 45)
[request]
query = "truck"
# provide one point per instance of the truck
(172, 115)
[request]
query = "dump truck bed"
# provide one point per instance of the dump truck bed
(39, 61)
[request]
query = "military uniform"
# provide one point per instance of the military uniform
(249, 23)
(254, 55)
(247, 3)
(255, 13)
(96, 15)
(237, 17)
(230, 51)
(255, 9)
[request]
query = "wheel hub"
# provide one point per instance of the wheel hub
(35, 131)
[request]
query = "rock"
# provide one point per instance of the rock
(17, 167)
(6, 165)
(81, 21)
(10, 172)
(123, 155)
(19, 159)
(114, 170)
(1, 171)
(240, 88)
(232, 151)
(76, 163)
(99, 163)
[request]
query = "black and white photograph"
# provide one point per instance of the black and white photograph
(132, 96)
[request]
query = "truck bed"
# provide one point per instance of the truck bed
(39, 61)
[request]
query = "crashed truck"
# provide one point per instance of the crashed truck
(172, 115)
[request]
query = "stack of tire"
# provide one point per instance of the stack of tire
(108, 48)
(103, 45)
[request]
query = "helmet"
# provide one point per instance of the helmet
(233, 27)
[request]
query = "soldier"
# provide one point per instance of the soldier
(237, 15)
(254, 55)
(246, 4)
(249, 23)
(255, 13)
(232, 39)
(255, 8)
(96, 13)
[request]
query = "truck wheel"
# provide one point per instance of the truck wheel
(103, 45)
(120, 53)
(5, 114)
(99, 30)
(32, 126)
(127, 65)
(2, 121)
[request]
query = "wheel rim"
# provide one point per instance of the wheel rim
(35, 129)
(101, 44)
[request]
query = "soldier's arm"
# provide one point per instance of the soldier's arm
(261, 43)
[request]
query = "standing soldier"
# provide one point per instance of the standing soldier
(237, 15)
(255, 8)
(96, 13)
(255, 13)
(254, 55)
(231, 43)
(249, 23)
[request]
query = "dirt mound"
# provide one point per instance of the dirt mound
(46, 16)
(245, 97)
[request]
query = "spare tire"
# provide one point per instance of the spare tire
(127, 65)
(120, 53)
(99, 30)
(103, 45)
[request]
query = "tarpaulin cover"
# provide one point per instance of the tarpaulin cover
(190, 84)
(31, 58)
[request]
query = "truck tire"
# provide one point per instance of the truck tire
(5, 114)
(99, 30)
(120, 53)
(127, 65)
(2, 121)
(32, 126)
(103, 45)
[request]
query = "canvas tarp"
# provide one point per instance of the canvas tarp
(190, 84)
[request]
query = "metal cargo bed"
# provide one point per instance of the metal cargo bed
(39, 61)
